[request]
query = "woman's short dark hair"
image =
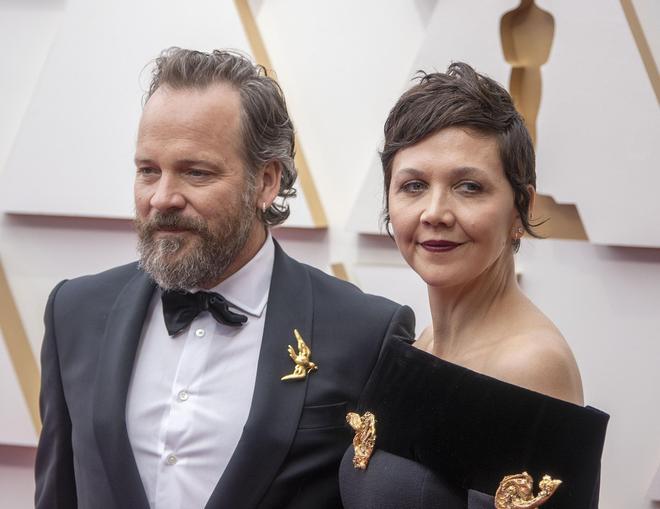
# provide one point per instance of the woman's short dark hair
(462, 97)
(266, 128)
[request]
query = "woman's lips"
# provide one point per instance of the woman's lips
(440, 246)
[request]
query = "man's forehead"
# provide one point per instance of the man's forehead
(213, 108)
(215, 94)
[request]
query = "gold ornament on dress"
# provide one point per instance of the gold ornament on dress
(364, 439)
(515, 491)
(302, 359)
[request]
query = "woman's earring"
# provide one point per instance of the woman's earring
(263, 207)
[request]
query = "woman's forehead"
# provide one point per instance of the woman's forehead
(454, 149)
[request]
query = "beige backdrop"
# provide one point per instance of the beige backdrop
(70, 105)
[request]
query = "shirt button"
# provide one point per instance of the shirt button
(172, 459)
(200, 333)
(183, 395)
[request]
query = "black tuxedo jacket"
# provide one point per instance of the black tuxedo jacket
(295, 435)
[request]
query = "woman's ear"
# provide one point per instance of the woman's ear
(532, 200)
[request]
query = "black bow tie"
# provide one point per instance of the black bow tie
(181, 308)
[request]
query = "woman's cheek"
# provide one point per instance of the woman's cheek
(404, 229)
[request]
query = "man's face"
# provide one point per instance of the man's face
(195, 203)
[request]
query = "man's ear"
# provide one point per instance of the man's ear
(269, 184)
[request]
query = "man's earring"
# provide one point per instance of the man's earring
(263, 207)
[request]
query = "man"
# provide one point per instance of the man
(170, 383)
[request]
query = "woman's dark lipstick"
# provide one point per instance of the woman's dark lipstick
(439, 246)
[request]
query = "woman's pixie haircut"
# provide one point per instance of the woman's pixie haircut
(462, 97)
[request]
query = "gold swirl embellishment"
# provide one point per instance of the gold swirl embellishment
(515, 491)
(364, 439)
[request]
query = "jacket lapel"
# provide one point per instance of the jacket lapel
(276, 405)
(120, 342)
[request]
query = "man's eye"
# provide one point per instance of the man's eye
(146, 171)
(469, 187)
(414, 186)
(198, 173)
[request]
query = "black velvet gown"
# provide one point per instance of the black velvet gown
(446, 436)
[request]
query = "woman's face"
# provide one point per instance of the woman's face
(451, 206)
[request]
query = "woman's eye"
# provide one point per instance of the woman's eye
(469, 187)
(414, 186)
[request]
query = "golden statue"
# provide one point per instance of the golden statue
(302, 359)
(364, 439)
(527, 33)
(515, 491)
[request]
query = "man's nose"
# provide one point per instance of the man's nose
(167, 195)
(438, 210)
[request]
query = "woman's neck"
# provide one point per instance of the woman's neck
(469, 317)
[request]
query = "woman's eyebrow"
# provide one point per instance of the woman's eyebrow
(458, 172)
(468, 171)
(410, 172)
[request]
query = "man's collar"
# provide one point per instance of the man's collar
(247, 289)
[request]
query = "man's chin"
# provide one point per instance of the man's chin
(168, 249)
(184, 249)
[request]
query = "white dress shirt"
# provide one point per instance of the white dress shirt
(190, 394)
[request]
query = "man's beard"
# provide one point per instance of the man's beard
(202, 265)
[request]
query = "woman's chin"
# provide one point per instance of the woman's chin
(443, 280)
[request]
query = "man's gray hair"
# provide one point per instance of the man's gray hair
(267, 130)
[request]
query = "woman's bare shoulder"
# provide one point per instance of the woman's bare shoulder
(539, 358)
(425, 340)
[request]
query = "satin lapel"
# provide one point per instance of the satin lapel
(117, 356)
(276, 405)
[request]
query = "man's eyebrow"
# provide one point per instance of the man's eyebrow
(142, 160)
(198, 162)
(181, 163)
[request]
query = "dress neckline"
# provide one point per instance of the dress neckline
(476, 429)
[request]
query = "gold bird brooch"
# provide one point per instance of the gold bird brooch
(302, 360)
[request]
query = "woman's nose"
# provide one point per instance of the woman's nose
(438, 211)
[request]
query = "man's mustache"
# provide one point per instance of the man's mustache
(171, 221)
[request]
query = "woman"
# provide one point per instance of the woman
(489, 399)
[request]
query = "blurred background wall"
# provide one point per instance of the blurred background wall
(584, 73)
